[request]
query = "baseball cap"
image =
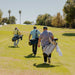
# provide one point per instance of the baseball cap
(45, 27)
(16, 28)
(35, 27)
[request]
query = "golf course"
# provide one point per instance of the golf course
(20, 60)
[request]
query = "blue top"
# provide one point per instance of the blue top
(33, 33)
(44, 36)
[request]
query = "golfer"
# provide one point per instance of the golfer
(16, 34)
(35, 35)
(44, 38)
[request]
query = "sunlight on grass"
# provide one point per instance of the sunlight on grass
(21, 58)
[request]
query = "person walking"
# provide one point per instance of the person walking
(35, 35)
(16, 34)
(44, 38)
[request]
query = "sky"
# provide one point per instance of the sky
(31, 8)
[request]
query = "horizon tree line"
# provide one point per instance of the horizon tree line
(10, 19)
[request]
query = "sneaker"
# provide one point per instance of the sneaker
(45, 62)
(34, 55)
(16, 46)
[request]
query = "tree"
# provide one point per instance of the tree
(48, 22)
(58, 21)
(27, 22)
(9, 11)
(42, 18)
(13, 20)
(20, 15)
(69, 12)
(39, 20)
(5, 20)
(1, 13)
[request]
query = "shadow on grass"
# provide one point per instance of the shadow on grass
(45, 65)
(12, 47)
(68, 34)
(32, 56)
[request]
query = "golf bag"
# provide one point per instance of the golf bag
(17, 37)
(49, 48)
(33, 41)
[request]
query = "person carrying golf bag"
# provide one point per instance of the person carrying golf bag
(17, 36)
(44, 39)
(34, 41)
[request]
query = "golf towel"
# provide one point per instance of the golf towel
(58, 50)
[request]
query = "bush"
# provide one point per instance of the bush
(27, 22)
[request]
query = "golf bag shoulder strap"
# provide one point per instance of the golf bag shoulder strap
(36, 30)
(49, 38)
(36, 34)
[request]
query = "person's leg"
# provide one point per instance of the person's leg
(49, 58)
(35, 49)
(17, 42)
(45, 57)
(14, 43)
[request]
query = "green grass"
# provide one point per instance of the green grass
(20, 61)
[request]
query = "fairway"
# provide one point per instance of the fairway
(20, 61)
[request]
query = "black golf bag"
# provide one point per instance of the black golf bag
(17, 37)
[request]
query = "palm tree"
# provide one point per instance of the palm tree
(1, 13)
(9, 11)
(20, 15)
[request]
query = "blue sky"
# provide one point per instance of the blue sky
(31, 8)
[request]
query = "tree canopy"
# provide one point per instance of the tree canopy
(44, 19)
(13, 20)
(1, 13)
(58, 21)
(69, 12)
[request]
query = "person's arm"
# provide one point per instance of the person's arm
(19, 33)
(29, 37)
(52, 37)
(39, 42)
(40, 37)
